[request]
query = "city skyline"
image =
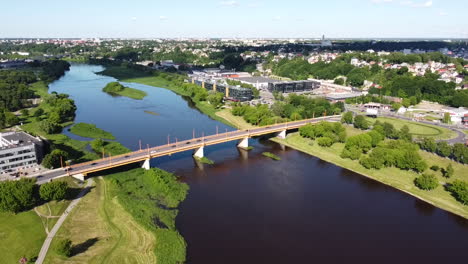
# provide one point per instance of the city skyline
(236, 19)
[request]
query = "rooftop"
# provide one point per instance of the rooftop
(16, 139)
(256, 79)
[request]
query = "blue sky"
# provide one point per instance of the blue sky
(234, 18)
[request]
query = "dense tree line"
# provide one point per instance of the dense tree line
(14, 90)
(22, 195)
(326, 133)
(458, 152)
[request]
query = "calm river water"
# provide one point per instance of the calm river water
(249, 209)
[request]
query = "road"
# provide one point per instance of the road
(63, 217)
(461, 136)
(175, 147)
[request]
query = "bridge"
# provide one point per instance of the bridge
(197, 144)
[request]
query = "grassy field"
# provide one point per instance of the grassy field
(103, 232)
(90, 131)
(419, 129)
(23, 234)
(132, 93)
(237, 121)
(400, 179)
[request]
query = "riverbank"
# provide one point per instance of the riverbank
(134, 76)
(399, 179)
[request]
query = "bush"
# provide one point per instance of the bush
(426, 182)
(447, 173)
(64, 247)
(113, 87)
(53, 190)
(459, 190)
(347, 118)
(362, 142)
(435, 168)
(352, 153)
(361, 122)
(325, 142)
(54, 159)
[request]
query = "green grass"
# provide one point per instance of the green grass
(120, 72)
(418, 129)
(399, 179)
(115, 148)
(21, 235)
(115, 236)
(271, 155)
(205, 160)
(152, 197)
(90, 131)
(132, 93)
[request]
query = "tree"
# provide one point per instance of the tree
(448, 172)
(459, 190)
(64, 247)
(54, 159)
(339, 81)
(11, 119)
(460, 153)
(362, 142)
(444, 149)
(24, 112)
(55, 190)
(428, 144)
(353, 153)
(426, 182)
(17, 196)
(447, 119)
(39, 112)
(361, 122)
(48, 127)
(347, 118)
(97, 145)
(325, 142)
(405, 133)
(215, 98)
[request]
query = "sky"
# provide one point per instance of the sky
(234, 18)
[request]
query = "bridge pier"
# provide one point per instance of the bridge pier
(80, 177)
(146, 164)
(199, 153)
(243, 143)
(282, 134)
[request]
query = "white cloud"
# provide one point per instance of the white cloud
(229, 3)
(162, 18)
(134, 18)
(381, 1)
(417, 4)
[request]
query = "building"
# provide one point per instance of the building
(257, 81)
(293, 86)
(19, 150)
(233, 93)
(341, 97)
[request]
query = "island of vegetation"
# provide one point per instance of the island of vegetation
(271, 156)
(115, 88)
(90, 131)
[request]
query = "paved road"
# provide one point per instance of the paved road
(461, 136)
(168, 149)
(53, 232)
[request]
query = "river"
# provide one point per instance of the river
(250, 209)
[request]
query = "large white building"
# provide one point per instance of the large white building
(19, 150)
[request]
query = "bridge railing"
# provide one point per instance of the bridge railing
(204, 138)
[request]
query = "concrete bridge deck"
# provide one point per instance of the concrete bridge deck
(175, 147)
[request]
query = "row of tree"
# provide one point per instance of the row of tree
(24, 194)
(458, 152)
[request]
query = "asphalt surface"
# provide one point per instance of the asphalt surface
(174, 147)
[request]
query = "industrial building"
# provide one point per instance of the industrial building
(293, 86)
(19, 150)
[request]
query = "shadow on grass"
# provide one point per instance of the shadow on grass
(82, 247)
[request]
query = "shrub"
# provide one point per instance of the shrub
(64, 247)
(347, 118)
(448, 172)
(459, 190)
(352, 153)
(361, 122)
(362, 142)
(325, 142)
(53, 190)
(17, 196)
(435, 168)
(426, 182)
